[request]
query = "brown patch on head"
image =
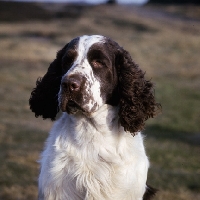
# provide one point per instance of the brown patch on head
(101, 57)
(70, 55)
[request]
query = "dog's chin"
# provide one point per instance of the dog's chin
(71, 107)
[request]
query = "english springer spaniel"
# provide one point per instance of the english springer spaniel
(95, 149)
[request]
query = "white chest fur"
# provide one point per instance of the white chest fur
(92, 158)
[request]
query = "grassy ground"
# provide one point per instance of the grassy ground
(166, 47)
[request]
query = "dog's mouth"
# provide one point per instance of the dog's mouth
(73, 103)
(71, 107)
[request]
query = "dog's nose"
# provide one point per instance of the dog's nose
(73, 82)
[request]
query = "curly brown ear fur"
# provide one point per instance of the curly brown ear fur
(137, 101)
(43, 100)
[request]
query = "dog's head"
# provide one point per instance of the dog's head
(89, 77)
(91, 71)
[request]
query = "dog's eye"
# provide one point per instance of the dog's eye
(97, 64)
(67, 63)
(70, 60)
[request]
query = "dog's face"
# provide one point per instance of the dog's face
(89, 76)
(91, 71)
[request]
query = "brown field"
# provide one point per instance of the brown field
(164, 41)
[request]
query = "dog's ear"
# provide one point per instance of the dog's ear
(136, 94)
(44, 98)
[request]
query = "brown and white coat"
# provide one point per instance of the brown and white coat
(91, 153)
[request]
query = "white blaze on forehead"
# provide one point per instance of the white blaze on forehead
(85, 42)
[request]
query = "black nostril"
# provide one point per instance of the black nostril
(74, 85)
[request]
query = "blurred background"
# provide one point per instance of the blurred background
(162, 36)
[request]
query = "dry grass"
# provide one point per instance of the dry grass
(167, 49)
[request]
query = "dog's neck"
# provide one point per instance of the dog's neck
(104, 116)
(104, 122)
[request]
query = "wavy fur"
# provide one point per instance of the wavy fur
(137, 100)
(44, 98)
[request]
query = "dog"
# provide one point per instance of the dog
(95, 150)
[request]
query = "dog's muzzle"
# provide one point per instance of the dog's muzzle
(71, 96)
